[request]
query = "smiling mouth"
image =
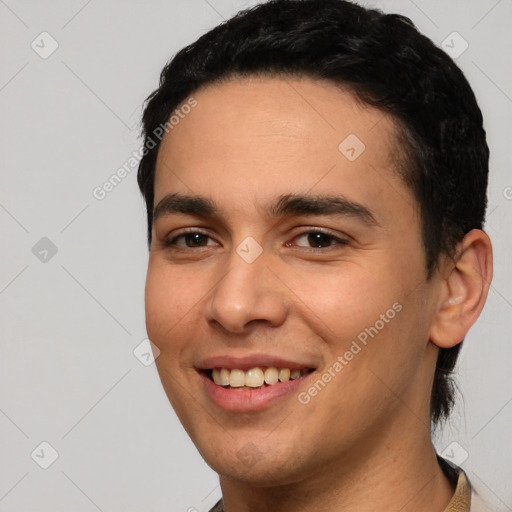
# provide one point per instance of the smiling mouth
(254, 378)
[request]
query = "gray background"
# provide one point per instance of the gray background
(70, 321)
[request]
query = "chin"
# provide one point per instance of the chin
(261, 465)
(261, 473)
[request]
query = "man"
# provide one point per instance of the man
(315, 200)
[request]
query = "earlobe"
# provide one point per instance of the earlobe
(465, 287)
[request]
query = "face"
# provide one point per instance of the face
(286, 287)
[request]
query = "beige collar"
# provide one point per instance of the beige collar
(461, 499)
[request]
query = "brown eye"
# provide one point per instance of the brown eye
(195, 239)
(191, 240)
(319, 240)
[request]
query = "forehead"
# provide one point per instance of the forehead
(288, 133)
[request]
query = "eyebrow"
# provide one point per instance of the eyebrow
(286, 205)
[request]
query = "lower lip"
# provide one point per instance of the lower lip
(245, 400)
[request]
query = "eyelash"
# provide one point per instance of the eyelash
(340, 241)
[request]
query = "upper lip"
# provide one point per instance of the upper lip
(250, 361)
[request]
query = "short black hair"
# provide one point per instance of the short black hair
(384, 62)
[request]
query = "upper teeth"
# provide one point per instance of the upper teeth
(255, 377)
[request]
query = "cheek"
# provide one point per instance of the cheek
(341, 302)
(383, 350)
(371, 317)
(170, 298)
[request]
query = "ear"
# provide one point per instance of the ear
(465, 284)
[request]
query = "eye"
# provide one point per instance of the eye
(318, 239)
(191, 239)
(310, 239)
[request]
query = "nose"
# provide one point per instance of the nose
(246, 293)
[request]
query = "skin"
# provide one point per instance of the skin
(365, 438)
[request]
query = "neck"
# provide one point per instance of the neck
(395, 472)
